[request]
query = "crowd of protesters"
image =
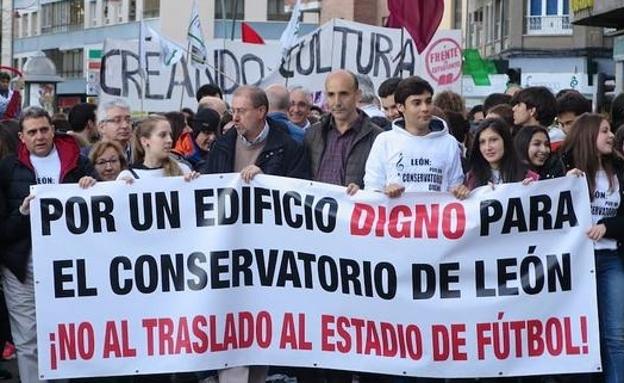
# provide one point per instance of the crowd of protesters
(359, 138)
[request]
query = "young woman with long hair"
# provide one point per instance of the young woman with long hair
(151, 152)
(588, 150)
(493, 158)
(533, 150)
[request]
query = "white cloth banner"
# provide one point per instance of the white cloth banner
(378, 52)
(164, 275)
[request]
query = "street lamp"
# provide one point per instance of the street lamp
(40, 78)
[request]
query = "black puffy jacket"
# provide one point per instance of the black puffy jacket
(281, 156)
(16, 177)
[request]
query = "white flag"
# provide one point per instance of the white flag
(199, 54)
(169, 52)
(289, 36)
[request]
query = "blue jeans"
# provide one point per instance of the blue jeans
(610, 288)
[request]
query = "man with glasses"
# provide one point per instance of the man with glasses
(299, 109)
(115, 123)
(256, 144)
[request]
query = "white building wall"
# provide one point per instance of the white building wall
(7, 33)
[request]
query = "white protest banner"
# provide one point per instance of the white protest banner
(164, 275)
(378, 52)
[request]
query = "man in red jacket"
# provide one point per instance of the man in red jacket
(41, 158)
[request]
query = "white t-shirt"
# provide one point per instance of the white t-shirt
(48, 168)
(420, 163)
(143, 172)
(605, 204)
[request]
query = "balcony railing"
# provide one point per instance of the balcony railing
(548, 25)
(61, 28)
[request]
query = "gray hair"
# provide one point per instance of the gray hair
(367, 88)
(278, 96)
(306, 92)
(102, 111)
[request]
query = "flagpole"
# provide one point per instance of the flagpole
(142, 70)
(234, 18)
(402, 53)
(223, 18)
(188, 53)
(142, 92)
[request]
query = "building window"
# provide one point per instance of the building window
(457, 15)
(92, 13)
(132, 10)
(475, 28)
(72, 64)
(34, 18)
(551, 7)
(276, 12)
(68, 63)
(535, 8)
(151, 9)
(230, 5)
(25, 30)
(548, 17)
(62, 16)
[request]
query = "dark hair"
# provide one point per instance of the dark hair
(495, 99)
(5, 76)
(450, 101)
(177, 120)
(480, 170)
(522, 141)
(8, 140)
(33, 112)
(540, 98)
(580, 145)
(566, 90)
(208, 90)
(61, 125)
(388, 87)
(474, 110)
(410, 86)
(617, 110)
(80, 114)
(573, 102)
(207, 120)
(505, 112)
(458, 125)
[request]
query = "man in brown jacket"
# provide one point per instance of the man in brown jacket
(339, 144)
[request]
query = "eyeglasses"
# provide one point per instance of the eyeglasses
(119, 119)
(104, 162)
(241, 111)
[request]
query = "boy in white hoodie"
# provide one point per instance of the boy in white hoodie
(418, 154)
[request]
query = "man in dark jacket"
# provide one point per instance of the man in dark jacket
(339, 145)
(257, 144)
(41, 158)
